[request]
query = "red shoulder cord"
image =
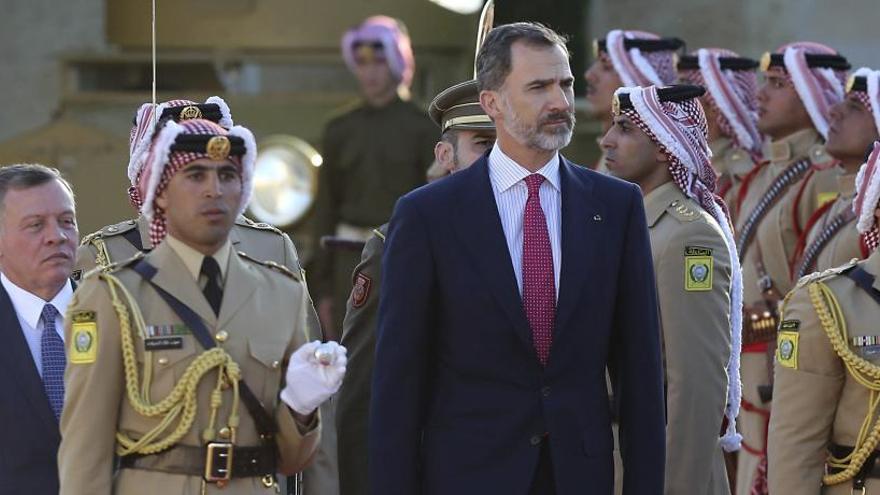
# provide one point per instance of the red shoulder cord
(744, 187)
(801, 245)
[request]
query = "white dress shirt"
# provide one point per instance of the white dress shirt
(508, 185)
(29, 307)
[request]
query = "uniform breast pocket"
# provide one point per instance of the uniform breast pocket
(264, 367)
(169, 357)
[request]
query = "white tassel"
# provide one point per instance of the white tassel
(226, 115)
(247, 165)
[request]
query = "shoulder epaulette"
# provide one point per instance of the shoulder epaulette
(682, 211)
(115, 266)
(271, 265)
(826, 274)
(109, 231)
(247, 222)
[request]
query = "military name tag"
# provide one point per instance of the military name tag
(84, 337)
(697, 269)
(163, 343)
(787, 348)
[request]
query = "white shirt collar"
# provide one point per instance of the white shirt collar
(504, 172)
(29, 306)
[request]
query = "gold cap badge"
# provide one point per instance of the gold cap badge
(218, 148)
(190, 112)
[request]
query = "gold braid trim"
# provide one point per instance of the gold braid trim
(180, 404)
(102, 257)
(864, 372)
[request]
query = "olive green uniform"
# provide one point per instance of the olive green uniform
(372, 156)
(693, 273)
(114, 384)
(359, 337)
(773, 246)
(827, 373)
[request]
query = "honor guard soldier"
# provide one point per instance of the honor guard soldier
(802, 82)
(189, 365)
(830, 238)
(125, 239)
(373, 154)
(466, 134)
(731, 107)
(627, 58)
(824, 431)
(659, 141)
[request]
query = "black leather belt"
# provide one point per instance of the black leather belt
(244, 462)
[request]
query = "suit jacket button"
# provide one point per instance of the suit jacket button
(535, 440)
(545, 391)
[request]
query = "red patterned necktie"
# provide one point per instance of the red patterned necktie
(539, 287)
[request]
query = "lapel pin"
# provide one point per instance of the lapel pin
(597, 217)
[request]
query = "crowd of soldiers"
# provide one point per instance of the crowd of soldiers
(761, 198)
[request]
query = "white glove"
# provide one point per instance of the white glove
(314, 373)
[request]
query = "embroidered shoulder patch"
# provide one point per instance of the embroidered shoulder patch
(698, 265)
(84, 337)
(361, 290)
(787, 347)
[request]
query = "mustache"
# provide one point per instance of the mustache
(568, 117)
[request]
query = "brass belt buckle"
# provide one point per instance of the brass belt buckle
(218, 462)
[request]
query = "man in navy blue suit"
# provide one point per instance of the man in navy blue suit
(38, 239)
(507, 290)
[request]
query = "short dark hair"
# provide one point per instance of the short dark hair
(26, 176)
(450, 136)
(493, 60)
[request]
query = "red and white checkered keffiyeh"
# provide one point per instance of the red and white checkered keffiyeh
(870, 98)
(867, 196)
(636, 68)
(395, 42)
(734, 94)
(161, 164)
(819, 88)
(681, 132)
(141, 135)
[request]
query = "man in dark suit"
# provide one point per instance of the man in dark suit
(38, 239)
(507, 290)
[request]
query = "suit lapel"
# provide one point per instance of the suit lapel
(20, 362)
(241, 282)
(479, 226)
(173, 276)
(582, 230)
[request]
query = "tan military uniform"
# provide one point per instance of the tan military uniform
(845, 244)
(261, 321)
(774, 243)
(359, 337)
(732, 165)
(693, 283)
(818, 399)
(258, 240)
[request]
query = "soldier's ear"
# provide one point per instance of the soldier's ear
(660, 156)
(444, 154)
(162, 200)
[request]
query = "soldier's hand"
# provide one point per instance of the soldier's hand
(313, 375)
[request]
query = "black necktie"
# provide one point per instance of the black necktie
(213, 292)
